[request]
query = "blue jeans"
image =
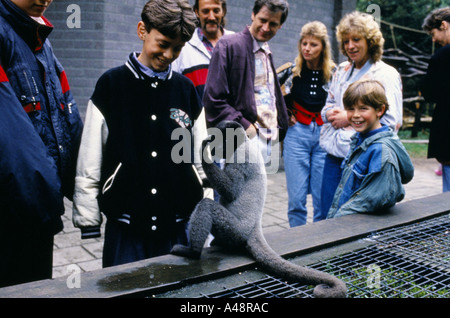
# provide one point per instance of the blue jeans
(445, 178)
(303, 163)
(332, 173)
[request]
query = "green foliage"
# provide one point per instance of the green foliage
(393, 284)
(408, 14)
(401, 25)
(415, 150)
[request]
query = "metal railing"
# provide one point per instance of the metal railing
(411, 261)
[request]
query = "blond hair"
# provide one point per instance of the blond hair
(363, 25)
(318, 30)
(367, 92)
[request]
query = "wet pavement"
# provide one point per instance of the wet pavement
(69, 249)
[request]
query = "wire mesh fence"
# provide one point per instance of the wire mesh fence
(412, 261)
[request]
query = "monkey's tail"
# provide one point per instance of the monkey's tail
(327, 286)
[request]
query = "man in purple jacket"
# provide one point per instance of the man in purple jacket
(242, 84)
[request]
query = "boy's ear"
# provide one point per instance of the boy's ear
(141, 31)
(381, 111)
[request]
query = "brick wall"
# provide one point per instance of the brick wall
(107, 34)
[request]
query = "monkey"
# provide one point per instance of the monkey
(235, 221)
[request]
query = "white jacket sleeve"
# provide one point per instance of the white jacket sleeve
(86, 212)
(200, 133)
(392, 83)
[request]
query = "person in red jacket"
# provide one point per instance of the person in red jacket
(41, 130)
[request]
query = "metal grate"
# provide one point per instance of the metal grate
(408, 262)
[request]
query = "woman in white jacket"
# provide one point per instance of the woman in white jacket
(362, 42)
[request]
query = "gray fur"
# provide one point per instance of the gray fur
(235, 221)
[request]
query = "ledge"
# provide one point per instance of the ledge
(166, 272)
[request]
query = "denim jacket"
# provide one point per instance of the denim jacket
(373, 173)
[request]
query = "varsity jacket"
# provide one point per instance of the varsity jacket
(193, 61)
(129, 164)
(40, 120)
(373, 174)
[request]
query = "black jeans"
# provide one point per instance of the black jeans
(122, 245)
(25, 255)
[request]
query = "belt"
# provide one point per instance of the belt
(306, 117)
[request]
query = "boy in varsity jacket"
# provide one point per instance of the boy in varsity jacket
(126, 168)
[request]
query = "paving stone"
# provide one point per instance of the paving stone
(71, 255)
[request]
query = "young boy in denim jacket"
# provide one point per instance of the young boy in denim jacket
(377, 164)
(125, 167)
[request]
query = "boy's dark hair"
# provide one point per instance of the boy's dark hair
(274, 6)
(367, 92)
(435, 18)
(172, 18)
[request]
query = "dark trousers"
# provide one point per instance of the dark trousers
(123, 245)
(25, 255)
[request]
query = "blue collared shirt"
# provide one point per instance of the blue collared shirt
(148, 71)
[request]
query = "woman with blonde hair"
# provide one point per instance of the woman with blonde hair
(306, 95)
(361, 41)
